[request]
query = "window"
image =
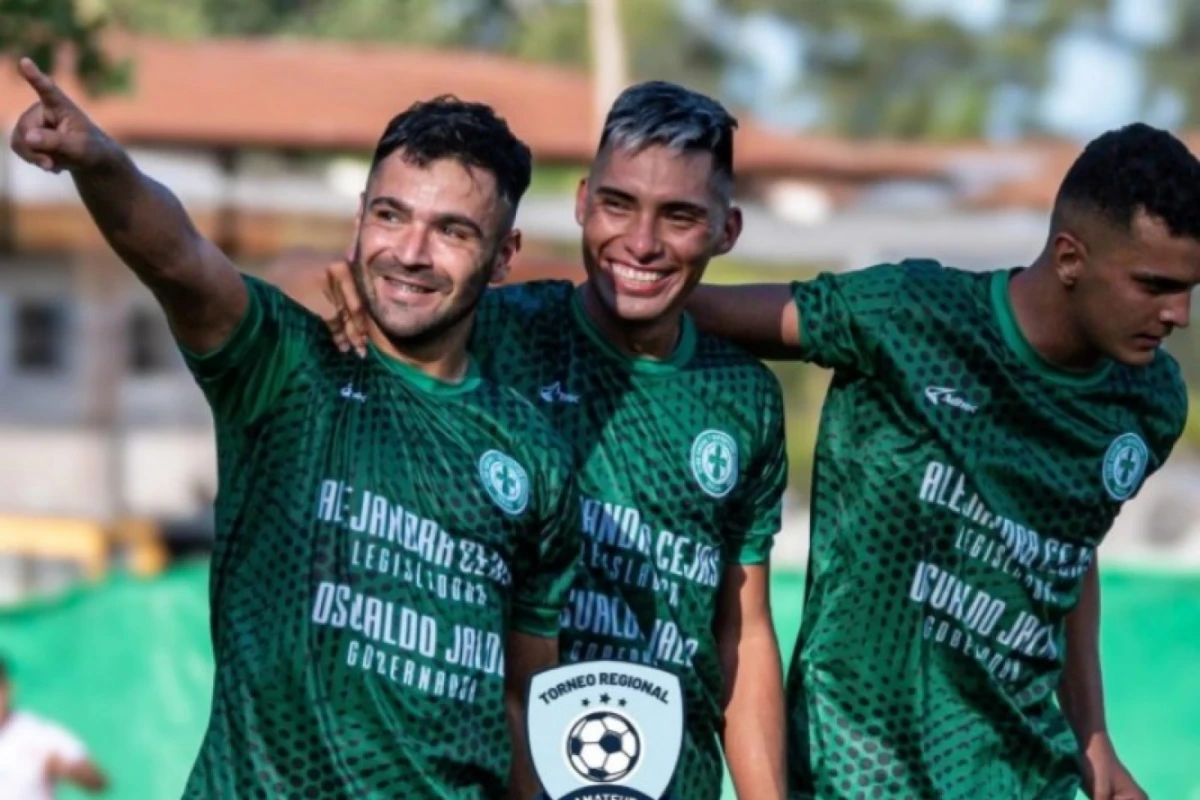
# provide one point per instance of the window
(41, 336)
(149, 341)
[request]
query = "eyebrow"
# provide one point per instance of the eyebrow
(442, 218)
(669, 205)
(1147, 275)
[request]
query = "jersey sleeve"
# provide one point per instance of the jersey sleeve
(1170, 401)
(547, 559)
(843, 316)
(245, 375)
(758, 507)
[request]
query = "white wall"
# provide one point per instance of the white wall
(167, 473)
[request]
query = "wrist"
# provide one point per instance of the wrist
(104, 157)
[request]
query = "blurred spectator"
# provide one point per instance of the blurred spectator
(36, 754)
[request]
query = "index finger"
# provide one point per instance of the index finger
(47, 90)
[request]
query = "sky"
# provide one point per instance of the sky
(1085, 65)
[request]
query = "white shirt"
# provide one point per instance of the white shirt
(26, 744)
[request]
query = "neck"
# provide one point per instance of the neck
(1039, 302)
(656, 339)
(444, 358)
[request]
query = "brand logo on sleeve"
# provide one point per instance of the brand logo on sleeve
(554, 393)
(943, 396)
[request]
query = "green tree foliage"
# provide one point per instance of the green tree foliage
(880, 69)
(1174, 66)
(41, 28)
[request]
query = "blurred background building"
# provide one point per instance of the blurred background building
(871, 130)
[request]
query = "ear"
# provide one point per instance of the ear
(581, 201)
(504, 257)
(730, 232)
(1070, 256)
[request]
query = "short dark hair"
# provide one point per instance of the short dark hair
(470, 133)
(1137, 168)
(673, 116)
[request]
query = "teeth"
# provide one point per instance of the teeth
(636, 275)
(406, 288)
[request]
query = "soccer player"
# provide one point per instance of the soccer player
(678, 435)
(980, 435)
(396, 534)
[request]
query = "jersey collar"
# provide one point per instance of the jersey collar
(1020, 346)
(639, 364)
(422, 381)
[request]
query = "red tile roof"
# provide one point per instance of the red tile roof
(1037, 190)
(304, 94)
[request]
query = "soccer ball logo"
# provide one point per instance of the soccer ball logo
(603, 747)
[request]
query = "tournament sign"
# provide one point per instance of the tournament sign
(605, 730)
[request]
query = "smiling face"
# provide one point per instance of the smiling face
(652, 219)
(430, 238)
(1128, 289)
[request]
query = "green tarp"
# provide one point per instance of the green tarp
(127, 666)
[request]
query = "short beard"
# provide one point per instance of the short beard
(469, 298)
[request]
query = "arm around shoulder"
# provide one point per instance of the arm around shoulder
(144, 223)
(831, 320)
(760, 318)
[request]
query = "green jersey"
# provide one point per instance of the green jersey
(681, 470)
(378, 535)
(962, 486)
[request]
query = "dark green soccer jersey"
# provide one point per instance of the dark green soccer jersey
(962, 486)
(378, 532)
(681, 470)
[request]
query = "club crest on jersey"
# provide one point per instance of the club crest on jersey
(505, 481)
(714, 462)
(1125, 466)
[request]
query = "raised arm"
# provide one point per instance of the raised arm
(760, 318)
(201, 292)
